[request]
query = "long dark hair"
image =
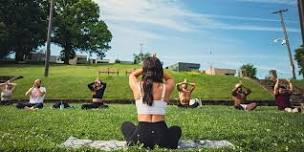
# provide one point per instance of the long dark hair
(152, 72)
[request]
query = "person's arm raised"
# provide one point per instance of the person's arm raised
(290, 86)
(178, 86)
(247, 91)
(234, 91)
(2, 86)
(28, 91)
(133, 78)
(276, 86)
(90, 86)
(169, 81)
(193, 86)
(14, 86)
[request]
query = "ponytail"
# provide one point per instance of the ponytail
(152, 72)
(148, 92)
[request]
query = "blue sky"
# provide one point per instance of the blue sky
(221, 33)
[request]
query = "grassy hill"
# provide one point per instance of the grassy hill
(70, 82)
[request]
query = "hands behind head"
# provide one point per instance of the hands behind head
(278, 80)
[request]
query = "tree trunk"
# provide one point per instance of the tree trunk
(19, 56)
(68, 53)
(66, 56)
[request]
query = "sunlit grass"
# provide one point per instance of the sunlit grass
(265, 129)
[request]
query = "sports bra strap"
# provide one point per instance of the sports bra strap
(164, 92)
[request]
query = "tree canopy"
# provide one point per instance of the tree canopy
(23, 27)
(248, 70)
(299, 57)
(77, 27)
(140, 57)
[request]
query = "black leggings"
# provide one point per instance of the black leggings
(94, 105)
(22, 105)
(5, 102)
(150, 134)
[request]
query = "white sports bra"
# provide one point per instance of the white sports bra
(158, 107)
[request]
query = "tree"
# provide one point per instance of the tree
(4, 51)
(248, 70)
(140, 57)
(23, 26)
(299, 57)
(77, 28)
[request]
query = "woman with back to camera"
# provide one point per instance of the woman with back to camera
(151, 95)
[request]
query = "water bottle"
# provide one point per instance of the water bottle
(61, 107)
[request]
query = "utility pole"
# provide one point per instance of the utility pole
(48, 47)
(280, 12)
(141, 47)
(301, 16)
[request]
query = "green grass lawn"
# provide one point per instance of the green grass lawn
(264, 129)
(70, 82)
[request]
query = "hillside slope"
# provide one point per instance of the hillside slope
(70, 82)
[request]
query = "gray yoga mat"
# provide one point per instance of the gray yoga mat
(109, 145)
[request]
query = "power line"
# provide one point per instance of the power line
(141, 47)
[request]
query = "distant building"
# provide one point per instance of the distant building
(36, 56)
(219, 71)
(126, 62)
(182, 66)
(79, 59)
(103, 61)
(55, 59)
(40, 57)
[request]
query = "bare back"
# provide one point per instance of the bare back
(157, 95)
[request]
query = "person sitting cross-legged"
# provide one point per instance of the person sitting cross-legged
(36, 94)
(282, 97)
(7, 90)
(185, 90)
(151, 95)
(97, 88)
(239, 95)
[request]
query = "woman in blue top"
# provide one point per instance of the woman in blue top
(151, 94)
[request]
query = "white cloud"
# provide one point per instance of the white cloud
(173, 16)
(224, 26)
(289, 2)
(134, 21)
(229, 17)
(156, 12)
